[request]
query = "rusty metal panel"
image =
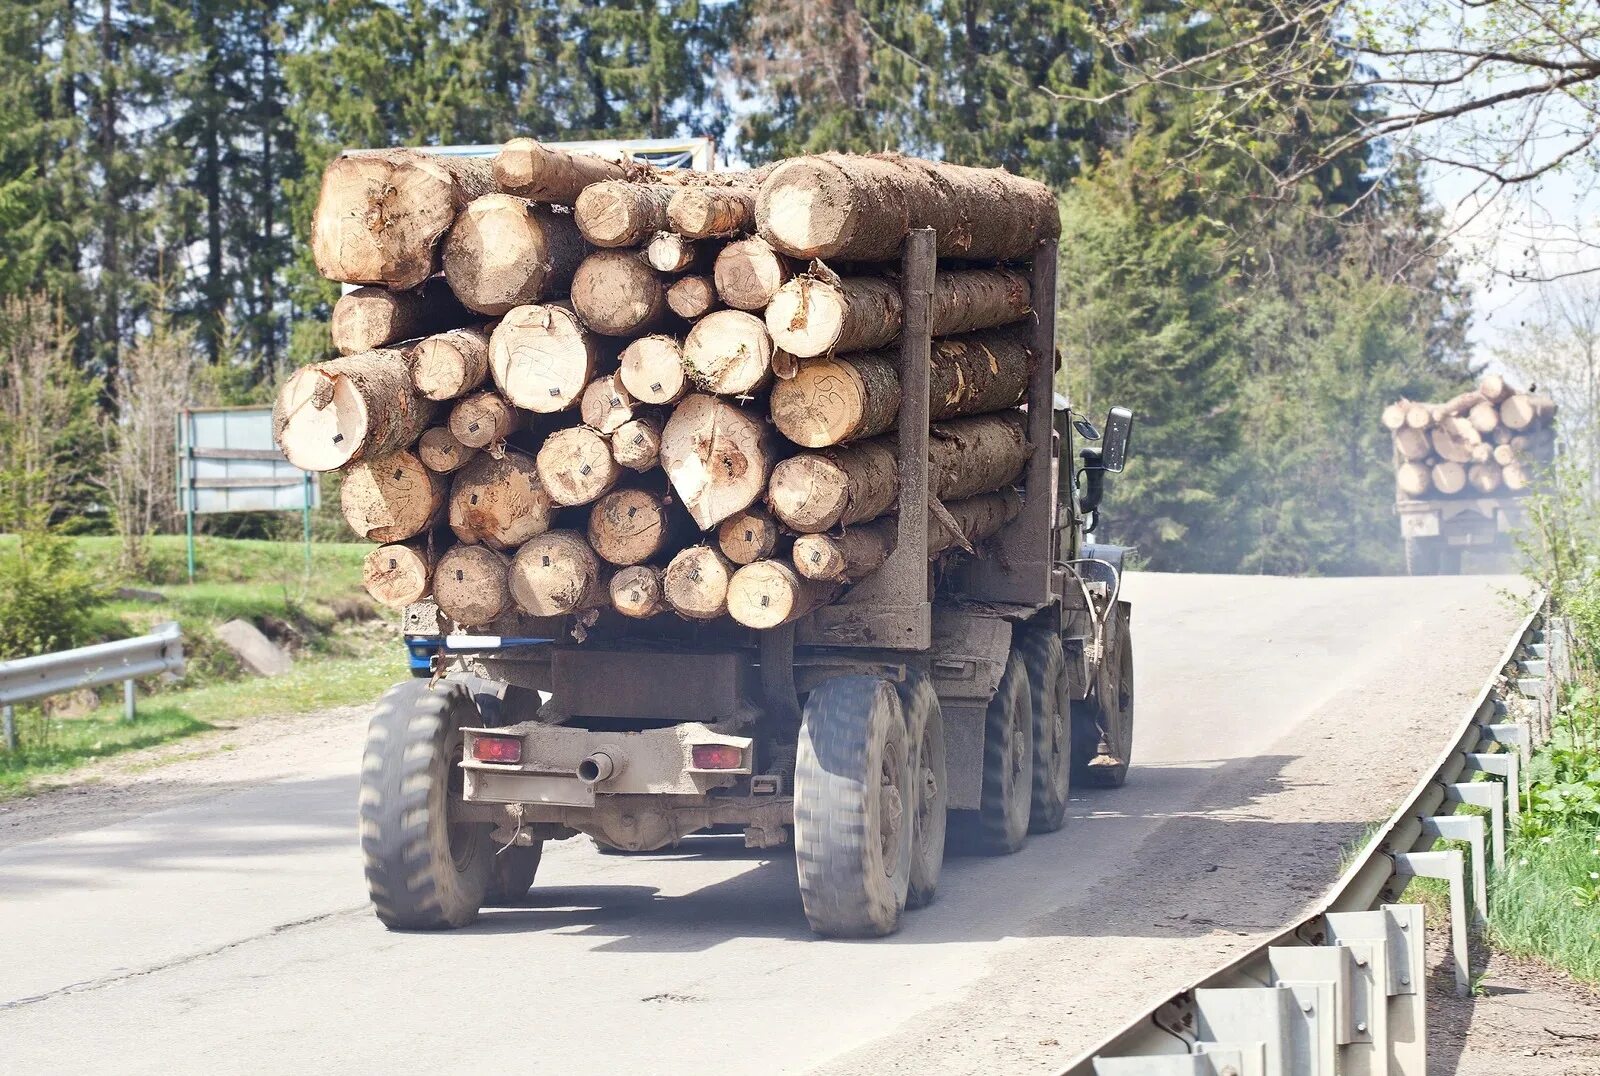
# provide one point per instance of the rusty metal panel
(594, 682)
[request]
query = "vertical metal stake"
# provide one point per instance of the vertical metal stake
(11, 728)
(1448, 866)
(310, 478)
(127, 699)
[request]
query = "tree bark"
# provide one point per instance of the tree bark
(542, 358)
(398, 574)
(470, 585)
(770, 593)
(576, 466)
(704, 212)
(450, 364)
(969, 456)
(978, 518)
(1413, 479)
(748, 536)
(617, 294)
(621, 214)
(483, 418)
(556, 574)
(848, 557)
(441, 452)
(692, 296)
(1521, 411)
(729, 353)
(636, 592)
(370, 318)
(499, 502)
(1449, 477)
(330, 414)
(652, 370)
(717, 456)
(1412, 444)
(695, 583)
(817, 491)
(505, 252)
(636, 445)
(671, 253)
(380, 216)
(528, 169)
(861, 208)
(390, 498)
(628, 526)
(607, 404)
(1484, 477)
(811, 315)
(749, 273)
(833, 400)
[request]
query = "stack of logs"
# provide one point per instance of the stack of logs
(1485, 442)
(568, 384)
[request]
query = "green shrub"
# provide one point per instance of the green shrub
(50, 599)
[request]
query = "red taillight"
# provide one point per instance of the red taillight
(716, 756)
(503, 749)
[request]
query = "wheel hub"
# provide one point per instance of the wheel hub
(890, 814)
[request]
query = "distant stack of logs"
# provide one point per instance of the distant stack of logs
(1486, 442)
(570, 385)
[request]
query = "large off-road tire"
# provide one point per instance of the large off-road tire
(930, 789)
(1102, 724)
(1006, 800)
(1052, 728)
(511, 874)
(424, 872)
(852, 791)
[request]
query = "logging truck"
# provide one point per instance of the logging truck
(714, 502)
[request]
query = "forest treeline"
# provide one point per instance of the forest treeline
(159, 163)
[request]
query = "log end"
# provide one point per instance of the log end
(322, 420)
(806, 317)
(808, 208)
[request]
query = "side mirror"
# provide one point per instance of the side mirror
(1114, 444)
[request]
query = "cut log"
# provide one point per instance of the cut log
(440, 451)
(748, 536)
(556, 574)
(846, 397)
(1514, 476)
(817, 491)
(1482, 453)
(621, 214)
(1521, 411)
(380, 216)
(1418, 416)
(704, 212)
(390, 498)
(671, 253)
(398, 574)
(617, 294)
(607, 404)
(505, 251)
(770, 593)
(652, 370)
(1494, 388)
(636, 445)
(499, 502)
(1458, 405)
(1394, 416)
(749, 273)
(628, 526)
(483, 418)
(1413, 479)
(1501, 435)
(1453, 439)
(542, 358)
(1504, 454)
(1484, 477)
(812, 315)
(1484, 416)
(695, 583)
(861, 208)
(470, 585)
(969, 456)
(717, 456)
(333, 413)
(729, 352)
(369, 318)
(692, 296)
(1412, 444)
(636, 591)
(543, 173)
(1449, 477)
(450, 364)
(576, 465)
(978, 518)
(848, 557)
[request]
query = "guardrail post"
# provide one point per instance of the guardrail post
(1502, 766)
(1489, 795)
(1447, 866)
(11, 728)
(1469, 828)
(127, 700)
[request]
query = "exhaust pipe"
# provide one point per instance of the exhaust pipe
(599, 766)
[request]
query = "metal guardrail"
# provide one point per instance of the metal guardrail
(1343, 992)
(26, 679)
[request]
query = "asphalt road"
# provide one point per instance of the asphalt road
(230, 933)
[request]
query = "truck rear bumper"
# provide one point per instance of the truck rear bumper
(570, 766)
